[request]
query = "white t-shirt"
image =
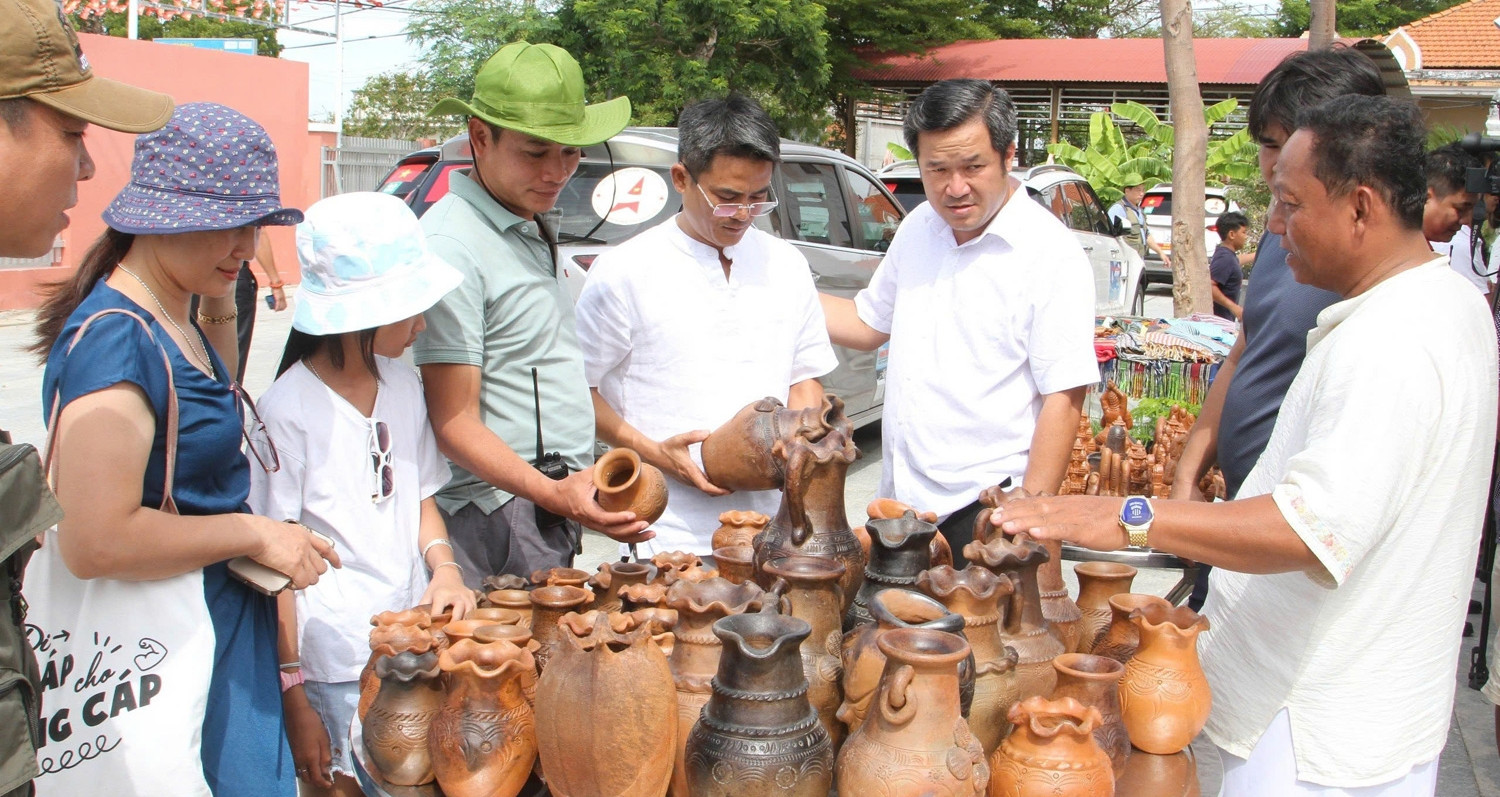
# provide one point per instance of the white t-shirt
(1461, 258)
(979, 333)
(1380, 461)
(326, 481)
(673, 346)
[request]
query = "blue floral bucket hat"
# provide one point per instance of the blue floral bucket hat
(209, 168)
(365, 264)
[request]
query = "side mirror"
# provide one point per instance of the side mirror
(1117, 227)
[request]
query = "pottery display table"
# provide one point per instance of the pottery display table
(1142, 558)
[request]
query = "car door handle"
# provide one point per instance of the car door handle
(1088, 248)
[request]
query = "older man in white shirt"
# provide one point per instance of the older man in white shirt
(988, 303)
(693, 319)
(1342, 571)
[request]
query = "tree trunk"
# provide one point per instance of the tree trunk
(1320, 28)
(1190, 280)
(846, 105)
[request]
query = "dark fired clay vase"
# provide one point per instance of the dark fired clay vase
(1051, 753)
(915, 741)
(1122, 637)
(612, 579)
(397, 726)
(1164, 696)
(899, 552)
(393, 632)
(1025, 629)
(483, 739)
(864, 662)
(739, 527)
(975, 594)
(736, 563)
(758, 736)
(740, 454)
(810, 592)
(1095, 681)
(1097, 583)
(549, 604)
(626, 484)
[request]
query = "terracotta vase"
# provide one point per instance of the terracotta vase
(1095, 681)
(696, 651)
(672, 564)
(549, 604)
(458, 630)
(736, 563)
(864, 662)
(811, 519)
(626, 484)
(560, 577)
(758, 736)
(492, 615)
(606, 711)
(1097, 583)
(915, 742)
(1148, 775)
(740, 454)
(1164, 696)
(1062, 613)
(394, 632)
(612, 578)
(810, 592)
(643, 596)
(1051, 753)
(738, 527)
(942, 553)
(521, 638)
(898, 554)
(517, 600)
(395, 729)
(504, 581)
(1025, 629)
(1122, 637)
(483, 739)
(975, 594)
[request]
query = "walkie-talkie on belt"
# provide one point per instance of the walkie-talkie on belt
(550, 464)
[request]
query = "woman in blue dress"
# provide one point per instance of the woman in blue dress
(200, 189)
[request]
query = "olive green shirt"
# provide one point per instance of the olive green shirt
(512, 313)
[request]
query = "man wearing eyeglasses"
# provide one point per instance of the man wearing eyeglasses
(693, 319)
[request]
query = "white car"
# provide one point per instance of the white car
(1157, 204)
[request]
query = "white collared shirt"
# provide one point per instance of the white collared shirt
(673, 345)
(1380, 462)
(980, 332)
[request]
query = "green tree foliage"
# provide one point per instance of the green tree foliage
(395, 105)
(458, 36)
(114, 23)
(1359, 17)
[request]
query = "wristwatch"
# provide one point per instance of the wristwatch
(1135, 519)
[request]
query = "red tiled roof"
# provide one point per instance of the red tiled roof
(1220, 61)
(1462, 37)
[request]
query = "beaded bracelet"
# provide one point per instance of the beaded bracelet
(218, 319)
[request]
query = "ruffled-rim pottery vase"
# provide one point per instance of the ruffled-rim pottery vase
(1095, 681)
(1097, 583)
(396, 728)
(899, 552)
(1051, 753)
(612, 579)
(887, 508)
(549, 604)
(1122, 637)
(864, 662)
(394, 632)
(626, 484)
(739, 527)
(975, 594)
(1164, 696)
(740, 454)
(1025, 629)
(483, 739)
(810, 590)
(1062, 613)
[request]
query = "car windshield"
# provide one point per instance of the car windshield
(1161, 205)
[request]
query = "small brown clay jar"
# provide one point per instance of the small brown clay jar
(626, 484)
(736, 563)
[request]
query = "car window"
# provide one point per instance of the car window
(437, 187)
(878, 216)
(1051, 198)
(606, 203)
(1096, 209)
(1157, 204)
(404, 178)
(907, 190)
(1080, 216)
(815, 204)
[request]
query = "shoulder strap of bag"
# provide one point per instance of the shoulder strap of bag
(167, 503)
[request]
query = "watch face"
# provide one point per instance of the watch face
(1136, 511)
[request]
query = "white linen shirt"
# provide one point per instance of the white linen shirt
(674, 346)
(1461, 257)
(979, 333)
(1380, 462)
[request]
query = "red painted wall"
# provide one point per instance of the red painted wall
(271, 91)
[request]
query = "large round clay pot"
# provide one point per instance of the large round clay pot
(811, 594)
(915, 741)
(1061, 612)
(394, 632)
(975, 594)
(864, 662)
(1051, 753)
(758, 736)
(606, 711)
(483, 739)
(1164, 696)
(517, 600)
(612, 579)
(739, 455)
(1025, 629)
(899, 552)
(738, 527)
(1122, 637)
(549, 604)
(1097, 583)
(626, 484)
(1095, 681)
(736, 563)
(395, 729)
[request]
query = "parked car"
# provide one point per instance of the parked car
(1157, 204)
(831, 208)
(1119, 288)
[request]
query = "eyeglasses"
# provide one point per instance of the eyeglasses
(257, 439)
(727, 210)
(380, 461)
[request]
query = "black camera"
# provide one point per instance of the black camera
(1482, 180)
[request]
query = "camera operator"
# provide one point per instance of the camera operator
(1448, 215)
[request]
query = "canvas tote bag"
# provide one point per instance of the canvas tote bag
(125, 665)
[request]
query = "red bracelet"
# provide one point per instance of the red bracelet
(276, 286)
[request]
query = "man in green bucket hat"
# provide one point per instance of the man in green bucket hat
(512, 318)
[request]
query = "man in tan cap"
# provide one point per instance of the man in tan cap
(48, 97)
(499, 356)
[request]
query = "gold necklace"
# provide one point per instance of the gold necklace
(188, 339)
(307, 362)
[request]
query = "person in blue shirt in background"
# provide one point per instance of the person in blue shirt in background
(1224, 266)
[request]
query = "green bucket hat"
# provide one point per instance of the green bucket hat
(537, 89)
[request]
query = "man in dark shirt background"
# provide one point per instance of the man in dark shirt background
(1224, 268)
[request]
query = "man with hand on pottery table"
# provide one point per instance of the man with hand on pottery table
(691, 320)
(1342, 569)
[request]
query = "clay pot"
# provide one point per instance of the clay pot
(504, 581)
(736, 563)
(696, 651)
(1164, 696)
(740, 454)
(1025, 629)
(671, 565)
(975, 594)
(396, 727)
(1122, 637)
(1097, 583)
(521, 638)
(606, 713)
(626, 484)
(549, 604)
(1051, 753)
(758, 736)
(863, 661)
(517, 600)
(738, 527)
(898, 554)
(811, 519)
(483, 739)
(1062, 613)
(1095, 681)
(888, 508)
(915, 741)
(810, 592)
(560, 577)
(494, 616)
(458, 630)
(394, 632)
(1148, 775)
(612, 578)
(643, 596)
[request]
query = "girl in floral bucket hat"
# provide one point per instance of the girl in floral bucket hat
(360, 463)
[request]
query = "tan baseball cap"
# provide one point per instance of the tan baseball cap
(40, 58)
